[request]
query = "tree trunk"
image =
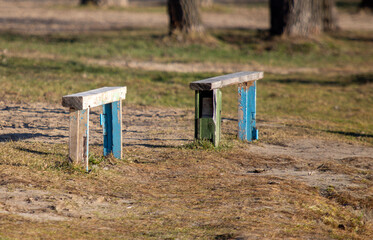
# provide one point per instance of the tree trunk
(367, 4)
(329, 16)
(184, 17)
(296, 17)
(117, 3)
(86, 2)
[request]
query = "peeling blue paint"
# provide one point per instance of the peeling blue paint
(112, 129)
(117, 130)
(242, 111)
(247, 113)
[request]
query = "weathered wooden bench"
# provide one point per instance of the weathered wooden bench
(208, 103)
(111, 120)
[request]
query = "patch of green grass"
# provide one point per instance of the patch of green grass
(348, 5)
(335, 104)
(44, 80)
(232, 46)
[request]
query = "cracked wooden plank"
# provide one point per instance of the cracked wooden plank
(94, 98)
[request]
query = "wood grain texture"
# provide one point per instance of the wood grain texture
(94, 98)
(78, 136)
(225, 80)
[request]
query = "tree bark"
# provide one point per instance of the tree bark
(117, 3)
(367, 4)
(86, 2)
(330, 21)
(184, 17)
(302, 18)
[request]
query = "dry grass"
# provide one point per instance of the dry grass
(171, 193)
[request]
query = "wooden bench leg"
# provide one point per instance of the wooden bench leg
(79, 136)
(247, 112)
(112, 128)
(208, 115)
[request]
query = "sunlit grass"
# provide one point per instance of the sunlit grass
(350, 50)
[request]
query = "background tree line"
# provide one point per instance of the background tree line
(288, 17)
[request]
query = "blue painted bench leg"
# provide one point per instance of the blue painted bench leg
(111, 120)
(247, 112)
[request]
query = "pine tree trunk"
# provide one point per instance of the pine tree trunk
(330, 16)
(296, 17)
(367, 4)
(184, 17)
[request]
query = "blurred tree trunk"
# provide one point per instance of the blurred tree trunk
(86, 2)
(330, 21)
(302, 18)
(105, 2)
(367, 4)
(184, 17)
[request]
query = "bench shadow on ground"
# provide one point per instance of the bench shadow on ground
(72, 36)
(240, 36)
(350, 134)
(22, 136)
(30, 150)
(150, 145)
(356, 79)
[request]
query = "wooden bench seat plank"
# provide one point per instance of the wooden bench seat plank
(225, 80)
(94, 98)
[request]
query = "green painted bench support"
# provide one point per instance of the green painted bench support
(208, 105)
(208, 115)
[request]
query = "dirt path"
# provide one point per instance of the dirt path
(143, 126)
(148, 126)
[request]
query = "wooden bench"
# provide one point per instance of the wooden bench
(208, 103)
(111, 120)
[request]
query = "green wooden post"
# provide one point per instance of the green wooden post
(208, 115)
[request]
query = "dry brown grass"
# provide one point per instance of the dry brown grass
(171, 193)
